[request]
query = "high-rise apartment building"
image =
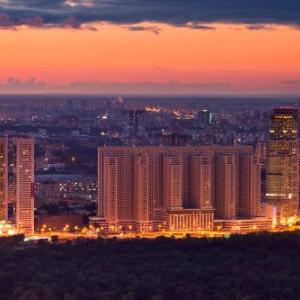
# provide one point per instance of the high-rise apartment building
(282, 170)
(16, 184)
(201, 181)
(226, 186)
(24, 183)
(143, 210)
(3, 178)
(249, 186)
(172, 184)
(176, 188)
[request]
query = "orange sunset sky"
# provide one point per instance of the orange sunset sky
(226, 59)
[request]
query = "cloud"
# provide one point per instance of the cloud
(5, 21)
(199, 26)
(14, 85)
(32, 22)
(256, 27)
(191, 13)
(292, 82)
(153, 29)
(173, 87)
(160, 70)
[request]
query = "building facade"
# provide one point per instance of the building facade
(147, 189)
(282, 170)
(24, 184)
(3, 178)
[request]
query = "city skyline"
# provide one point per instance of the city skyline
(149, 149)
(157, 166)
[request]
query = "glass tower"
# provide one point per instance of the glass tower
(282, 174)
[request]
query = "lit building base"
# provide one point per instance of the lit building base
(244, 225)
(190, 220)
(106, 227)
(176, 220)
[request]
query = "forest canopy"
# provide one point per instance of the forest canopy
(255, 266)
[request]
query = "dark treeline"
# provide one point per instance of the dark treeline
(257, 266)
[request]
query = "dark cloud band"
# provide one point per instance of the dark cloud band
(192, 13)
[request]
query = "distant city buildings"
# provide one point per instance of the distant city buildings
(56, 188)
(162, 165)
(205, 117)
(282, 169)
(146, 189)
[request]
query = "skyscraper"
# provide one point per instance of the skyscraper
(226, 189)
(143, 210)
(204, 117)
(3, 178)
(24, 176)
(250, 186)
(173, 181)
(201, 181)
(282, 171)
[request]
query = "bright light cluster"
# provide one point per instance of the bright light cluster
(75, 3)
(7, 229)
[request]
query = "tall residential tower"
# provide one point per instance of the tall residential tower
(3, 178)
(282, 171)
(24, 183)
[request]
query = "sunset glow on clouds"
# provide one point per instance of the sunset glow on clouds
(111, 46)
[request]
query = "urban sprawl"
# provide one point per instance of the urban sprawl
(195, 166)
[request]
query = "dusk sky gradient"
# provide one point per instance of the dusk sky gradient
(139, 46)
